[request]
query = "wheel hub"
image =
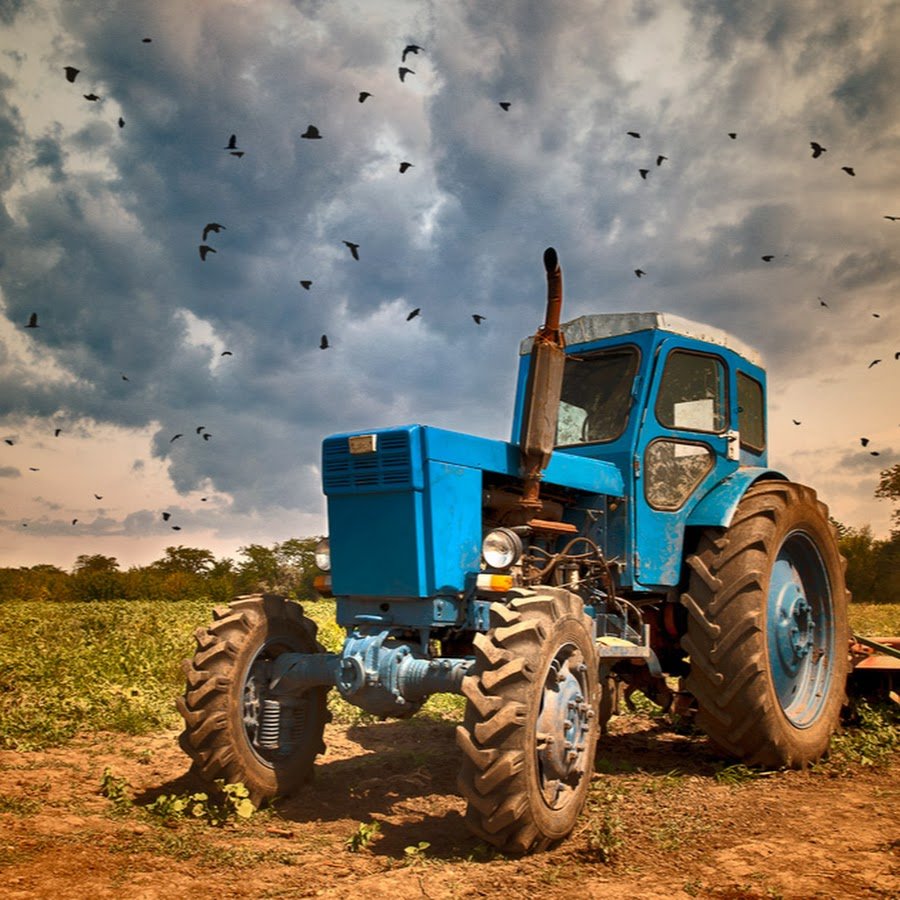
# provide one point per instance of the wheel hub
(563, 725)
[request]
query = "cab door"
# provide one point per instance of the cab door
(685, 446)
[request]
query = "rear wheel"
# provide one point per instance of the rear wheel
(234, 729)
(531, 721)
(767, 628)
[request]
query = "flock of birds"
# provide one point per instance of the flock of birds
(313, 133)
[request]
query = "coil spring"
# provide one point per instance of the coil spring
(270, 725)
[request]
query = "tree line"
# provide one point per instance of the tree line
(184, 573)
(288, 568)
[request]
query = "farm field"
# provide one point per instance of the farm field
(88, 746)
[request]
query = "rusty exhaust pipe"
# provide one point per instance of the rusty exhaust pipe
(548, 358)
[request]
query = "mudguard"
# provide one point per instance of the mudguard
(717, 507)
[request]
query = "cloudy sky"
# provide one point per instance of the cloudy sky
(100, 227)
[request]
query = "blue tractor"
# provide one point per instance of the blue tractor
(631, 533)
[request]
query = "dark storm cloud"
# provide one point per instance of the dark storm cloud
(9, 9)
(107, 251)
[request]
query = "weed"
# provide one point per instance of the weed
(19, 806)
(737, 773)
(231, 803)
(116, 789)
(416, 853)
(604, 838)
(363, 836)
(871, 741)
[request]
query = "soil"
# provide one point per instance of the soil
(658, 823)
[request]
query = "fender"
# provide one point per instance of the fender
(717, 507)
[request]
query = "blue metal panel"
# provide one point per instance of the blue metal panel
(566, 469)
(717, 507)
(376, 542)
(453, 525)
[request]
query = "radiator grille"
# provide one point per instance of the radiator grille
(390, 466)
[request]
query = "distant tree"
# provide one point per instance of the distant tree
(860, 549)
(188, 560)
(259, 571)
(889, 489)
(96, 577)
(96, 562)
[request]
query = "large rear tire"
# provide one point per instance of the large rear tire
(767, 628)
(227, 689)
(531, 723)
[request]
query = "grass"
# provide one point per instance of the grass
(875, 619)
(116, 666)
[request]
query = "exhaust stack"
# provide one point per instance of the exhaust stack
(542, 394)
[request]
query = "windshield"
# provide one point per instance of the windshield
(596, 396)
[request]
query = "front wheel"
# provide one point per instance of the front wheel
(767, 628)
(234, 729)
(531, 722)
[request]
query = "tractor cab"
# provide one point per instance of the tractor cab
(678, 408)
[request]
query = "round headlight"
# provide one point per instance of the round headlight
(323, 555)
(501, 548)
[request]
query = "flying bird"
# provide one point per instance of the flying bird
(897, 355)
(200, 428)
(849, 170)
(634, 134)
(363, 96)
(817, 149)
(864, 441)
(237, 153)
(9, 441)
(323, 344)
(661, 159)
(768, 257)
(874, 453)
(232, 143)
(226, 353)
(92, 97)
(404, 71)
(74, 521)
(124, 377)
(204, 249)
(354, 249)
(57, 432)
(306, 284)
(176, 528)
(410, 48)
(32, 321)
(639, 272)
(71, 74)
(413, 314)
(478, 318)
(33, 469)
(893, 218)
(166, 516)
(214, 227)
(732, 135)
(206, 435)
(823, 303)
(98, 496)
(121, 122)
(175, 437)
(146, 40)
(644, 173)
(873, 363)
(796, 421)
(504, 105)
(311, 133)
(404, 166)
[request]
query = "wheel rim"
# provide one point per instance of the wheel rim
(563, 727)
(800, 630)
(259, 723)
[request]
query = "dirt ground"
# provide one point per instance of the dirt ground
(671, 827)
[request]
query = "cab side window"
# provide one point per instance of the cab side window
(751, 413)
(692, 393)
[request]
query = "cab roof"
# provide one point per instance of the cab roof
(586, 329)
